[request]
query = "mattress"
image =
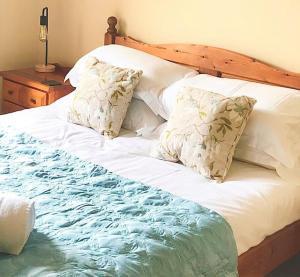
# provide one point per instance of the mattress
(255, 201)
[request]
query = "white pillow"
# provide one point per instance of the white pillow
(157, 73)
(274, 126)
(276, 134)
(141, 119)
(272, 135)
(202, 81)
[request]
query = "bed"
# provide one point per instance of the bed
(285, 243)
(250, 194)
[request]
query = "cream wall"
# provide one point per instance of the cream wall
(76, 27)
(268, 30)
(18, 34)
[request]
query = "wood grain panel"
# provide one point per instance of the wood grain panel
(29, 89)
(11, 91)
(32, 98)
(216, 61)
(274, 250)
(56, 93)
(8, 107)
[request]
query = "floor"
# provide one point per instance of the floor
(289, 269)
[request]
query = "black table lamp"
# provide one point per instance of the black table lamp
(44, 38)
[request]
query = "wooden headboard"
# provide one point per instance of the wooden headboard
(211, 60)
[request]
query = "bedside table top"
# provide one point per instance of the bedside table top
(31, 78)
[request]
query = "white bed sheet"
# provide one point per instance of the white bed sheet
(255, 201)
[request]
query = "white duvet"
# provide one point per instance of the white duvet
(254, 200)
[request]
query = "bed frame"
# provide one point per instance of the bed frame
(284, 244)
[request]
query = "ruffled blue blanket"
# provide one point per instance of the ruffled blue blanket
(92, 222)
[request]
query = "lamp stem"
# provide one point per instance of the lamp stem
(46, 54)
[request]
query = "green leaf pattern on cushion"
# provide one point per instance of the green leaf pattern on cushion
(203, 131)
(102, 97)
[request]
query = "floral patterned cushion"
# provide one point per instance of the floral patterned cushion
(203, 131)
(103, 96)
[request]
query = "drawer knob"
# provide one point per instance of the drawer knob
(10, 92)
(33, 101)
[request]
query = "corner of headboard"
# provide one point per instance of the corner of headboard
(112, 32)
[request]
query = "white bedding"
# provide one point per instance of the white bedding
(255, 201)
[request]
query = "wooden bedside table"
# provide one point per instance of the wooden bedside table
(24, 89)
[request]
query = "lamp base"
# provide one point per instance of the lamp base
(45, 68)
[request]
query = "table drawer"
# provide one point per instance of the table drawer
(11, 91)
(8, 107)
(32, 98)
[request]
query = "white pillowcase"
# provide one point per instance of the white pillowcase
(157, 73)
(272, 136)
(202, 81)
(141, 119)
